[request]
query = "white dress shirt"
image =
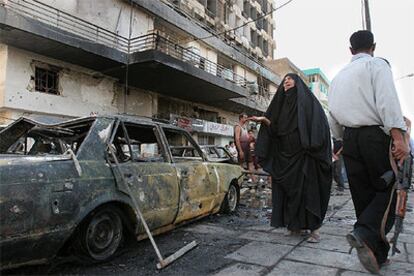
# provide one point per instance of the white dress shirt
(363, 94)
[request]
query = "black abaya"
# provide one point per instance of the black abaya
(296, 150)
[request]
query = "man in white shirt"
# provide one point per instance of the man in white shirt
(365, 112)
(233, 150)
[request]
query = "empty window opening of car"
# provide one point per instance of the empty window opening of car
(140, 143)
(36, 139)
(181, 146)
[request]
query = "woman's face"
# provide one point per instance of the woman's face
(288, 83)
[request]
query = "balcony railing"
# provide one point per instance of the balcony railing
(77, 26)
(67, 22)
(155, 41)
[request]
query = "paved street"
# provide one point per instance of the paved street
(245, 244)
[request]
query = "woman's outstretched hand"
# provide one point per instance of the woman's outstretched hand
(261, 119)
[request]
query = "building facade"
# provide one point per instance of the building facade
(283, 66)
(318, 84)
(181, 61)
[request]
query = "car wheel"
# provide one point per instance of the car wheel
(232, 199)
(101, 235)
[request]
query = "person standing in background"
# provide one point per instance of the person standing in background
(233, 151)
(337, 164)
(241, 139)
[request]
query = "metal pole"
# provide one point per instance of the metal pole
(128, 56)
(367, 16)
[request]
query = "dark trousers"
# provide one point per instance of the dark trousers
(337, 173)
(366, 156)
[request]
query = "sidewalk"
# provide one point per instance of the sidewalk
(268, 252)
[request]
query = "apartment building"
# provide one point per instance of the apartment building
(283, 66)
(318, 84)
(167, 59)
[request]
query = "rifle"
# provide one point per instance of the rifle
(403, 184)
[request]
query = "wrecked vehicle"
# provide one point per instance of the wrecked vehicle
(64, 187)
(218, 154)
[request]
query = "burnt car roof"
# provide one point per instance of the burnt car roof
(123, 117)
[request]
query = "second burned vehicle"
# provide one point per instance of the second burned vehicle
(64, 186)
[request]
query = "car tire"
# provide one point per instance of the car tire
(100, 235)
(231, 200)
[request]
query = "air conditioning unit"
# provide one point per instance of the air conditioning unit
(199, 12)
(192, 55)
(245, 42)
(197, 8)
(227, 74)
(253, 87)
(176, 2)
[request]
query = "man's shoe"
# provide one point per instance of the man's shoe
(386, 263)
(340, 188)
(365, 254)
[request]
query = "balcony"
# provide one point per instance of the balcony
(153, 62)
(39, 28)
(163, 66)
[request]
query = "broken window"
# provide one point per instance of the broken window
(119, 147)
(47, 80)
(140, 143)
(29, 138)
(181, 146)
(221, 153)
(211, 153)
(145, 144)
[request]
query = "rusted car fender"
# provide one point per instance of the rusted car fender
(120, 200)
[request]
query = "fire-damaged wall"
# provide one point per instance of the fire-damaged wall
(112, 15)
(31, 83)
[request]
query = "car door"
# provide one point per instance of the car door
(197, 192)
(146, 169)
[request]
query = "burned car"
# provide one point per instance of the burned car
(73, 185)
(218, 154)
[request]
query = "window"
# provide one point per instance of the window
(253, 38)
(145, 146)
(205, 139)
(140, 145)
(44, 140)
(181, 146)
(246, 9)
(212, 7)
(221, 153)
(47, 80)
(266, 48)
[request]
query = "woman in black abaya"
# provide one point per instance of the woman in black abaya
(294, 146)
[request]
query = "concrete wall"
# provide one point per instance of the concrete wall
(284, 66)
(112, 15)
(3, 64)
(80, 92)
(138, 102)
(272, 90)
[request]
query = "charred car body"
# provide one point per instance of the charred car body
(218, 154)
(64, 185)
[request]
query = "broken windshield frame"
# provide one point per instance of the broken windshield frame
(26, 137)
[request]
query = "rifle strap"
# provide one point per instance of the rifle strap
(394, 186)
